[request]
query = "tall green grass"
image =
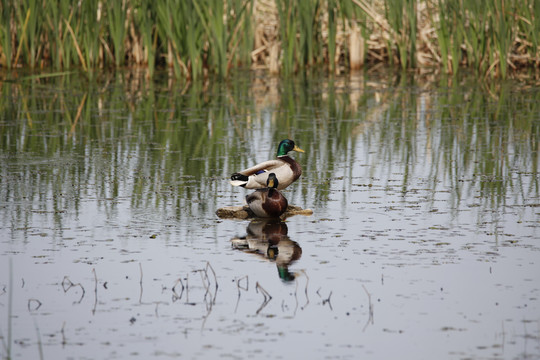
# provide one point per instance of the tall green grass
(288, 29)
(332, 32)
(486, 34)
(529, 25)
(6, 52)
(117, 14)
(401, 15)
(197, 37)
(143, 19)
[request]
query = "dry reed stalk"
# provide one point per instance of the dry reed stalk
(267, 47)
(356, 48)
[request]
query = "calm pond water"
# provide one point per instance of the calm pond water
(424, 240)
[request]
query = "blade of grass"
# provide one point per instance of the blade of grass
(117, 14)
(21, 42)
(6, 33)
(79, 52)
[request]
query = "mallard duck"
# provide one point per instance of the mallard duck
(284, 167)
(268, 202)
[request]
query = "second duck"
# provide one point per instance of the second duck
(268, 202)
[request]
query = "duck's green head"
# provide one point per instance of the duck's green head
(272, 181)
(287, 145)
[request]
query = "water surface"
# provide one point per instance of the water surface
(424, 242)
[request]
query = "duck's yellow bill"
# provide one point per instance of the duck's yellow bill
(296, 148)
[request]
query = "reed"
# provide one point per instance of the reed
(29, 26)
(171, 33)
(332, 31)
(241, 38)
(144, 21)
(288, 29)
(473, 33)
(529, 26)
(215, 31)
(456, 38)
(503, 25)
(54, 34)
(309, 32)
(6, 11)
(354, 18)
(117, 15)
(442, 31)
(300, 33)
(496, 38)
(61, 47)
(401, 16)
(88, 31)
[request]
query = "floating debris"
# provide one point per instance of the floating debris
(243, 212)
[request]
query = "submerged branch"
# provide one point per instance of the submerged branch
(240, 287)
(37, 305)
(370, 318)
(175, 295)
(95, 291)
(67, 284)
(266, 295)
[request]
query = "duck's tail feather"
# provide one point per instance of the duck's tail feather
(238, 182)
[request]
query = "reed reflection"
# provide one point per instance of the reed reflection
(163, 145)
(268, 238)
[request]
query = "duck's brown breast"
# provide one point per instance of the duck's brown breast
(295, 167)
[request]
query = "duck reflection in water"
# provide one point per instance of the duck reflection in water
(268, 238)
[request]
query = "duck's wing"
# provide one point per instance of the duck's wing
(254, 196)
(255, 202)
(255, 177)
(264, 166)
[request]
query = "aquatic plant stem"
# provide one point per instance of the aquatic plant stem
(39, 342)
(79, 52)
(22, 37)
(7, 344)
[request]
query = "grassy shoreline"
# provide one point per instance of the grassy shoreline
(495, 38)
